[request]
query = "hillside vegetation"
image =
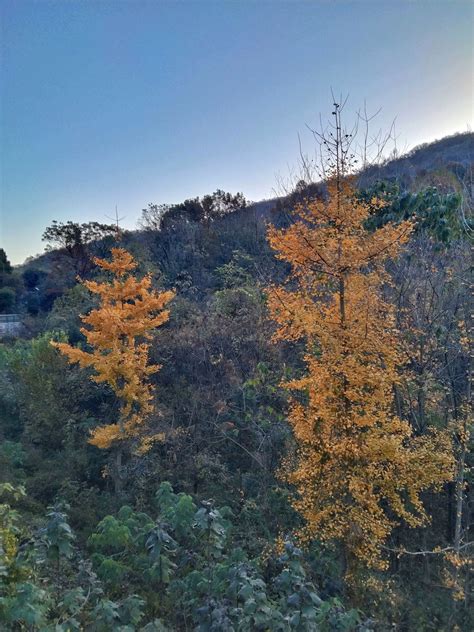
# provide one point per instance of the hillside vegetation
(273, 471)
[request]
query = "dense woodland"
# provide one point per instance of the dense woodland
(265, 420)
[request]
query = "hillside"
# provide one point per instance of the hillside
(446, 163)
(199, 530)
(452, 153)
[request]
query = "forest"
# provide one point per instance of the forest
(247, 415)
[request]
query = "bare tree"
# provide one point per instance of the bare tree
(349, 147)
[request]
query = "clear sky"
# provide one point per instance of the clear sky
(130, 102)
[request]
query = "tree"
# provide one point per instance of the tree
(152, 216)
(119, 331)
(435, 213)
(198, 210)
(8, 283)
(434, 295)
(220, 203)
(357, 469)
(7, 299)
(73, 238)
(5, 265)
(32, 278)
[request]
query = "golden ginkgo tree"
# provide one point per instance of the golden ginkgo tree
(118, 333)
(357, 469)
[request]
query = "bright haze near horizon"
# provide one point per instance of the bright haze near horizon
(126, 103)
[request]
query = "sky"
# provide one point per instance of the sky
(131, 102)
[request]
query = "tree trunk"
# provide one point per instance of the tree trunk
(117, 475)
(459, 498)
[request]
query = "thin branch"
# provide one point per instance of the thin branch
(402, 551)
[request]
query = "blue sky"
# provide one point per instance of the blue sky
(129, 102)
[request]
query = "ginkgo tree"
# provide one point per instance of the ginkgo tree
(118, 333)
(357, 469)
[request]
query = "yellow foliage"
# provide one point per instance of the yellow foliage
(148, 442)
(118, 332)
(357, 468)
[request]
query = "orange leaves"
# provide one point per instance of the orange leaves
(329, 238)
(74, 355)
(128, 311)
(122, 262)
(354, 457)
(104, 436)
